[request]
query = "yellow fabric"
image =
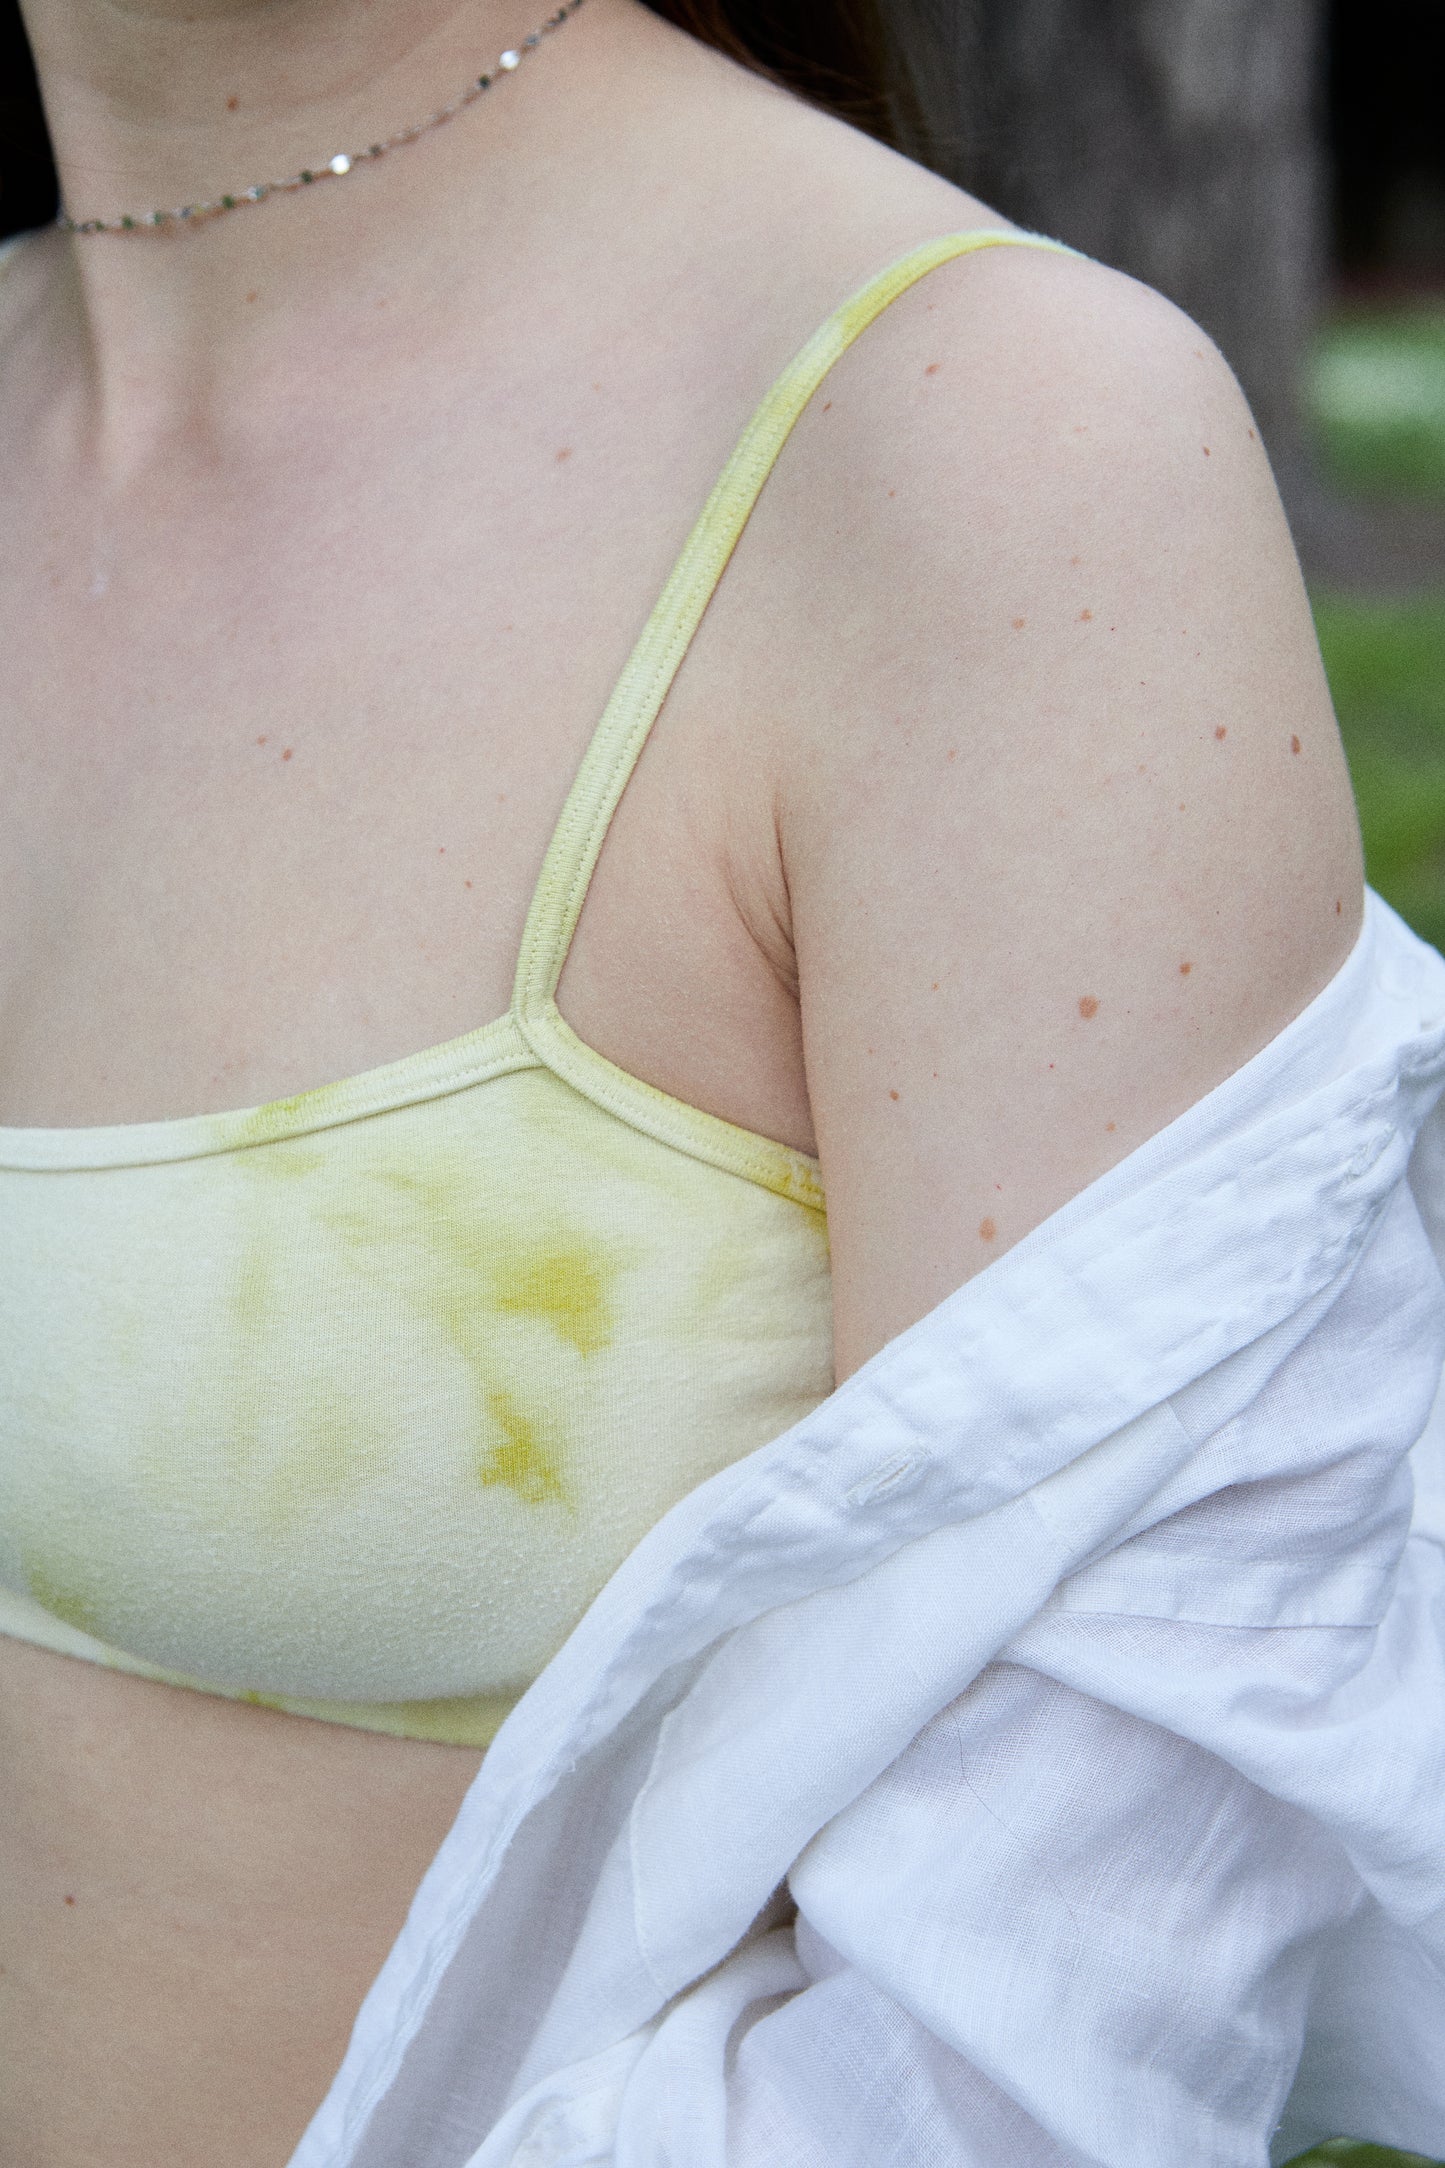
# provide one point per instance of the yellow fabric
(366, 1412)
(351, 1403)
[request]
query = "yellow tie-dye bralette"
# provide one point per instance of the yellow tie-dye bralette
(351, 1403)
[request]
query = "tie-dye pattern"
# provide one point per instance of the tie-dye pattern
(367, 1413)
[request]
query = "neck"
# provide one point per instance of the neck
(238, 196)
(159, 103)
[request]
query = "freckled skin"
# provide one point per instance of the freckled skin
(1221, 732)
(1088, 1006)
(986, 1230)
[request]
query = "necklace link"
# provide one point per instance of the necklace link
(335, 168)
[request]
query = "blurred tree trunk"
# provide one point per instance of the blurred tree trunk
(1180, 140)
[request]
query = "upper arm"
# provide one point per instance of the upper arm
(1067, 830)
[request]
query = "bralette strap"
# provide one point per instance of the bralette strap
(647, 677)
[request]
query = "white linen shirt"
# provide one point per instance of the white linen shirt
(1034, 1758)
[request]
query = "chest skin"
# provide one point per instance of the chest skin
(286, 721)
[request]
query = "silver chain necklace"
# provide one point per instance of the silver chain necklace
(332, 168)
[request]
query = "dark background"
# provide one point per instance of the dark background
(1386, 134)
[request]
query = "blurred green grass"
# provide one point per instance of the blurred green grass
(1375, 395)
(1386, 666)
(1376, 392)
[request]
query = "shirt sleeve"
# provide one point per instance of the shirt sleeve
(1112, 1906)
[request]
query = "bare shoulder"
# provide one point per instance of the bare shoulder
(791, 206)
(1047, 530)
(1068, 830)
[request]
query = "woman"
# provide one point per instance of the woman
(995, 814)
